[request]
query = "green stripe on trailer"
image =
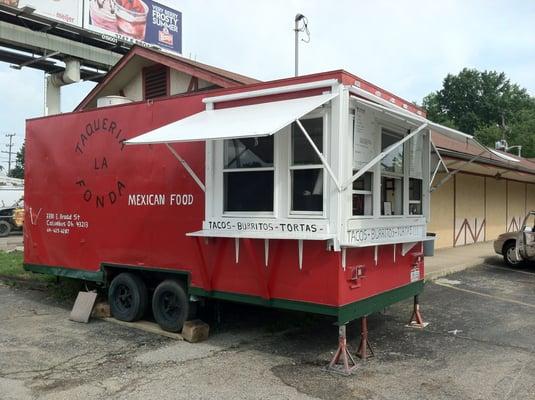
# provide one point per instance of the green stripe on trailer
(343, 314)
(376, 303)
(94, 276)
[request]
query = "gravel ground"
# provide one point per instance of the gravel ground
(479, 345)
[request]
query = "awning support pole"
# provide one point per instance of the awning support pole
(320, 155)
(451, 173)
(441, 161)
(187, 167)
(439, 156)
(382, 155)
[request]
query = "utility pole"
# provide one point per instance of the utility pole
(10, 151)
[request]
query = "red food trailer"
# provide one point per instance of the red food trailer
(308, 193)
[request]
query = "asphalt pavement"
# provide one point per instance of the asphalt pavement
(480, 344)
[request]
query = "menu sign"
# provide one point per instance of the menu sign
(287, 228)
(386, 234)
(136, 21)
(364, 138)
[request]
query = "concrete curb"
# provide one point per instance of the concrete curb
(431, 276)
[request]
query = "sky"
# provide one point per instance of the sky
(406, 47)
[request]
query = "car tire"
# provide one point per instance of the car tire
(5, 228)
(170, 305)
(508, 254)
(128, 297)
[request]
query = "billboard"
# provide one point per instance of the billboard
(136, 21)
(67, 11)
(143, 22)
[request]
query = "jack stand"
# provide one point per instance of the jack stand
(364, 346)
(416, 319)
(348, 364)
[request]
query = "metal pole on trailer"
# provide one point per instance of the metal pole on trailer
(298, 18)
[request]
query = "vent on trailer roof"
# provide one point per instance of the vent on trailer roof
(155, 82)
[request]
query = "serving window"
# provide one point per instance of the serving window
(415, 156)
(392, 176)
(306, 169)
(248, 174)
(363, 194)
(394, 186)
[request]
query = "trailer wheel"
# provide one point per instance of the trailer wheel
(5, 228)
(170, 305)
(127, 297)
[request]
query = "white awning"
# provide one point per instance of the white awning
(262, 119)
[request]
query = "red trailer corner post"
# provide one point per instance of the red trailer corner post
(308, 194)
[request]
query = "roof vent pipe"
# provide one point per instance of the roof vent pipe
(70, 75)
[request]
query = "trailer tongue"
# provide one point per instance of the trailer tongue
(301, 194)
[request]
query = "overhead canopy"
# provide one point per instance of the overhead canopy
(262, 119)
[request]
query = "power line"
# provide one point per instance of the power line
(10, 151)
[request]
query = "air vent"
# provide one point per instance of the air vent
(155, 82)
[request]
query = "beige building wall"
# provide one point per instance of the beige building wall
(179, 82)
(469, 209)
(441, 221)
(516, 205)
(530, 197)
(496, 208)
(134, 89)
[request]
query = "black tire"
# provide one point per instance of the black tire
(128, 297)
(5, 228)
(170, 306)
(507, 251)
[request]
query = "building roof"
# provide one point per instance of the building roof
(524, 167)
(142, 56)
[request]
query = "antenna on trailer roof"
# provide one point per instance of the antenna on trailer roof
(297, 29)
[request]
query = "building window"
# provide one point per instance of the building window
(248, 175)
(306, 169)
(155, 82)
(363, 194)
(392, 175)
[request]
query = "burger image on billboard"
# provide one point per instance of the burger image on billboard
(131, 18)
(12, 3)
(102, 13)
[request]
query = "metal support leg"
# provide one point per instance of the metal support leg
(364, 346)
(342, 362)
(416, 320)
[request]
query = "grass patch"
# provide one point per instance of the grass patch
(13, 274)
(11, 267)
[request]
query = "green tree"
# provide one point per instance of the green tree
(18, 170)
(485, 104)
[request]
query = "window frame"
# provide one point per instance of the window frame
(364, 192)
(397, 131)
(220, 162)
(320, 113)
(401, 130)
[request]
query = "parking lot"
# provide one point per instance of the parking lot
(480, 344)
